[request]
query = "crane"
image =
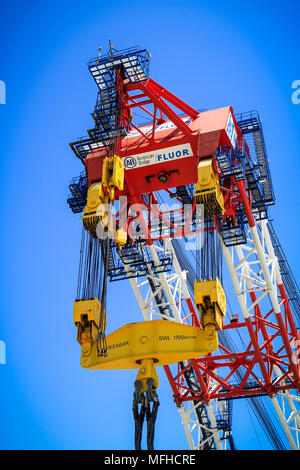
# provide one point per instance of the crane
(164, 204)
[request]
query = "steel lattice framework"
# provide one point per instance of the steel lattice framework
(155, 157)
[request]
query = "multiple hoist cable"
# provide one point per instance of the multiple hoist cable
(105, 252)
(92, 280)
(90, 274)
(101, 338)
(208, 254)
(97, 222)
(108, 186)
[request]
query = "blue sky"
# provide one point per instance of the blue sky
(210, 54)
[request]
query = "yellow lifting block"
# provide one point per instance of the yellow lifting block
(147, 371)
(164, 342)
(207, 190)
(96, 209)
(87, 310)
(210, 299)
(95, 197)
(113, 174)
(86, 315)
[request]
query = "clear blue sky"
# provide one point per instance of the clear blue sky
(210, 54)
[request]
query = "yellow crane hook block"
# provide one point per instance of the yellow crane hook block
(101, 194)
(210, 299)
(86, 315)
(113, 174)
(164, 342)
(96, 209)
(207, 190)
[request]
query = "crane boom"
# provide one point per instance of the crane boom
(202, 178)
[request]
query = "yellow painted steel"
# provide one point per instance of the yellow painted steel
(121, 237)
(95, 197)
(86, 315)
(162, 341)
(87, 308)
(96, 209)
(101, 194)
(207, 190)
(210, 299)
(113, 175)
(147, 371)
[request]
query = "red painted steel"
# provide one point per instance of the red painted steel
(269, 343)
(271, 338)
(200, 133)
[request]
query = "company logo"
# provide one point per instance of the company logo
(158, 156)
(130, 162)
(171, 155)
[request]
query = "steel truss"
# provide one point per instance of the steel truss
(267, 362)
(287, 406)
(275, 339)
(166, 296)
(267, 365)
